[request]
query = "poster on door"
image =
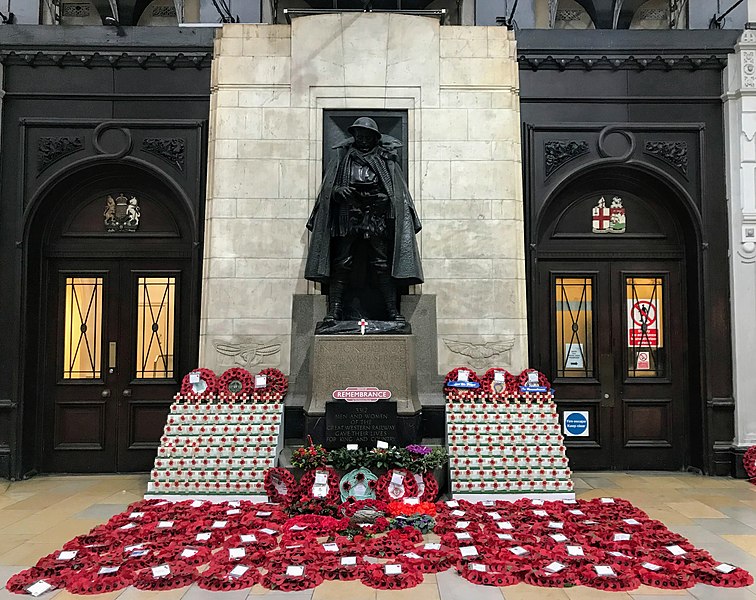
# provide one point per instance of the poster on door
(642, 323)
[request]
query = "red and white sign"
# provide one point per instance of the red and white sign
(361, 394)
(644, 362)
(642, 314)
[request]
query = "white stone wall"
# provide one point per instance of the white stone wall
(459, 85)
(740, 130)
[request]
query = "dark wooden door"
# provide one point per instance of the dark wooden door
(614, 343)
(113, 361)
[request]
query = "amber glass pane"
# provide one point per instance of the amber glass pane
(156, 298)
(574, 326)
(82, 339)
(645, 327)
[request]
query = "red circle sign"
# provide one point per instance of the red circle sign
(643, 308)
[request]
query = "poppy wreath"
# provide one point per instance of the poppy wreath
(293, 555)
(195, 538)
(224, 557)
(335, 570)
(219, 578)
(510, 385)
(375, 576)
(388, 546)
(434, 561)
(380, 525)
(709, 575)
(749, 464)
(276, 385)
(154, 532)
(542, 379)
(454, 374)
(315, 524)
(261, 541)
(384, 482)
(286, 480)
(624, 580)
(240, 375)
(206, 375)
(669, 577)
(54, 565)
(421, 508)
(18, 583)
(492, 575)
(430, 489)
(346, 547)
(90, 580)
(543, 578)
(188, 554)
(180, 576)
(350, 507)
(277, 579)
(307, 482)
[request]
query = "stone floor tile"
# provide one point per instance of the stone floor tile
(741, 513)
(582, 592)
(523, 591)
(696, 510)
(599, 482)
(452, 587)
(343, 590)
(101, 512)
(725, 526)
(135, 594)
(196, 593)
(420, 592)
(746, 542)
(646, 592)
(66, 595)
(276, 595)
(708, 592)
(28, 553)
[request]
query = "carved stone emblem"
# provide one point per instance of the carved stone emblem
(248, 354)
(121, 214)
(480, 355)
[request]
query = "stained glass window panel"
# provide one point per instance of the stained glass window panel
(573, 301)
(82, 339)
(156, 299)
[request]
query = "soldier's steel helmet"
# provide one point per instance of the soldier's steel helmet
(365, 123)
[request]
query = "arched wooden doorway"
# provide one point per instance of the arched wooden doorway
(615, 318)
(112, 282)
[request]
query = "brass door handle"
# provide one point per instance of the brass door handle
(127, 393)
(105, 393)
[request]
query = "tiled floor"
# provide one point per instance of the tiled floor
(39, 515)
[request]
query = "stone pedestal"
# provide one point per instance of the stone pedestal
(386, 362)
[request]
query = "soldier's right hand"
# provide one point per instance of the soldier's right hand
(342, 193)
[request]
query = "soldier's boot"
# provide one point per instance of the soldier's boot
(335, 300)
(388, 293)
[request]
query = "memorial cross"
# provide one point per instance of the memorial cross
(362, 324)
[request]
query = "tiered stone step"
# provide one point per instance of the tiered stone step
(217, 448)
(511, 448)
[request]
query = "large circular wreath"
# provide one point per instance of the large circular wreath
(280, 486)
(749, 463)
(236, 383)
(307, 482)
(427, 487)
(500, 391)
(543, 381)
(208, 377)
(276, 384)
(454, 374)
(389, 493)
(354, 480)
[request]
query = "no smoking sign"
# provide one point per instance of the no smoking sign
(642, 329)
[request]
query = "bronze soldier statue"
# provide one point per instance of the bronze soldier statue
(364, 200)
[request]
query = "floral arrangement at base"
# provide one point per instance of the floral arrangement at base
(312, 456)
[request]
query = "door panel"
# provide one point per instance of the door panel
(112, 363)
(614, 345)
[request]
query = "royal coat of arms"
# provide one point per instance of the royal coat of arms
(121, 214)
(608, 219)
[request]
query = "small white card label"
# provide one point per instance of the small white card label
(412, 555)
(194, 377)
(165, 524)
(238, 571)
(494, 515)
(261, 381)
(540, 513)
(353, 446)
(607, 500)
(381, 444)
(236, 553)
(299, 527)
(463, 375)
(269, 531)
(161, 571)
(504, 525)
(67, 555)
(537, 502)
(477, 567)
(532, 378)
(676, 550)
(556, 525)
(203, 537)
(38, 588)
(622, 537)
(321, 477)
(518, 551)
(575, 551)
(268, 513)
(504, 536)
(631, 521)
(468, 551)
(234, 503)
(463, 536)
(234, 511)
(397, 478)
(452, 503)
(558, 537)
(604, 570)
(294, 571)
(348, 561)
(463, 524)
(189, 552)
(651, 566)
(136, 515)
(554, 567)
(133, 547)
(107, 570)
(499, 376)
(458, 513)
(331, 547)
(725, 568)
(432, 546)
(569, 501)
(248, 538)
(614, 553)
(576, 511)
(196, 504)
(411, 501)
(219, 524)
(392, 569)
